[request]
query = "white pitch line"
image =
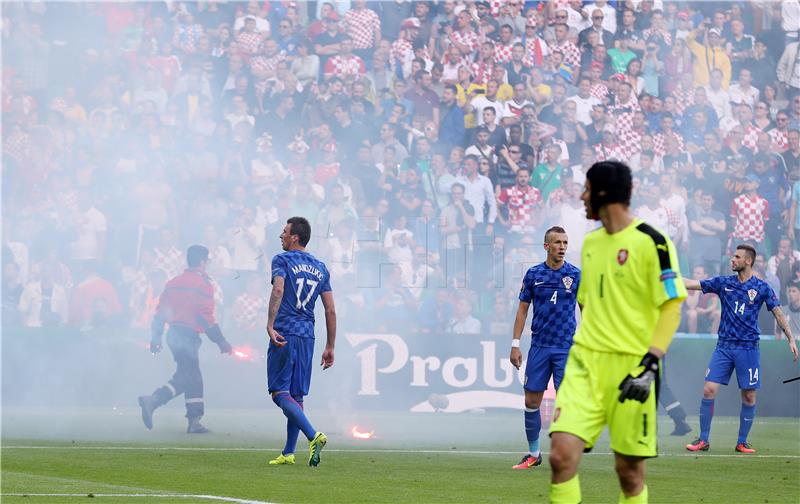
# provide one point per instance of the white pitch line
(147, 495)
(369, 450)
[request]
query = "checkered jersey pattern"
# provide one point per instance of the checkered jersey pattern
(502, 52)
(18, 145)
(604, 152)
(249, 312)
(305, 278)
(630, 141)
(741, 302)
(345, 66)
(623, 114)
(750, 137)
(361, 26)
(185, 37)
(522, 206)
(778, 139)
(402, 50)
(599, 91)
(572, 55)
(535, 51)
(248, 43)
(481, 72)
(552, 293)
(170, 260)
(664, 34)
(684, 98)
(660, 142)
(468, 38)
(261, 64)
(556, 198)
(750, 216)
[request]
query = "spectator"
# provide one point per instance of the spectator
(781, 265)
(12, 293)
(522, 203)
(463, 322)
(709, 56)
(707, 232)
(702, 310)
(250, 307)
(750, 213)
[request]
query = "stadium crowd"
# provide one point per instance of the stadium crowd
(429, 143)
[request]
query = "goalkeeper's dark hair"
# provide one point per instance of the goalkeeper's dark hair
(195, 255)
(554, 229)
(299, 226)
(751, 251)
(611, 182)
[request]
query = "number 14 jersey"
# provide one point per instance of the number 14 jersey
(553, 295)
(741, 302)
(305, 278)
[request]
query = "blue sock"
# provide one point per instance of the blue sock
(294, 412)
(746, 416)
(533, 425)
(706, 414)
(292, 431)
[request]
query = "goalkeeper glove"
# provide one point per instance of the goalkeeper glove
(638, 387)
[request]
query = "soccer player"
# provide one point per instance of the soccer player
(298, 279)
(631, 293)
(551, 286)
(741, 296)
(187, 305)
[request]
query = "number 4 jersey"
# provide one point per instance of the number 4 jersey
(741, 302)
(553, 295)
(305, 278)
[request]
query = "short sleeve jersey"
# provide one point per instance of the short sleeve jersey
(741, 302)
(626, 277)
(553, 294)
(305, 278)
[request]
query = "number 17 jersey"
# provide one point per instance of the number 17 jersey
(305, 278)
(553, 293)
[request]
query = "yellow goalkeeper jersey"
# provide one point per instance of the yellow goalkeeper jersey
(626, 277)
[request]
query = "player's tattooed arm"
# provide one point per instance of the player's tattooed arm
(274, 303)
(780, 318)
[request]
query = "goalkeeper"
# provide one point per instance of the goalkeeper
(631, 292)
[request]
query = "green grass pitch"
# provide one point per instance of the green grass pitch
(414, 458)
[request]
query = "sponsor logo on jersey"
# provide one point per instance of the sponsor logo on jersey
(622, 256)
(752, 293)
(567, 282)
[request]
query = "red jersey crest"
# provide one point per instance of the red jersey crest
(622, 256)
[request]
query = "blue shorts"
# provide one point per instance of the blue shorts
(289, 366)
(542, 363)
(745, 361)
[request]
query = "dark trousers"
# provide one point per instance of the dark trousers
(184, 344)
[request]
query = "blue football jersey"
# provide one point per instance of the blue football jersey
(741, 302)
(305, 278)
(552, 293)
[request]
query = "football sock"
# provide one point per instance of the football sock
(294, 412)
(706, 414)
(568, 492)
(636, 499)
(746, 416)
(292, 431)
(533, 426)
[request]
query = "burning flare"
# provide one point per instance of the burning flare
(242, 353)
(361, 435)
